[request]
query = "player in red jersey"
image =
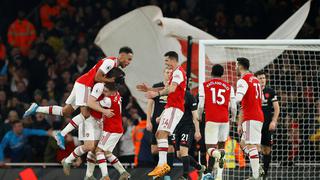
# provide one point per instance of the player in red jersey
(249, 93)
(173, 111)
(80, 93)
(216, 97)
(90, 129)
(112, 132)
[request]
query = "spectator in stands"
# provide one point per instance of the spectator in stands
(49, 13)
(53, 153)
(3, 52)
(17, 143)
(21, 34)
(39, 143)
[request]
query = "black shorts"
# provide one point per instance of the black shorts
(266, 135)
(183, 137)
(154, 139)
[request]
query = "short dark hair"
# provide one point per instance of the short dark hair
(172, 55)
(112, 86)
(244, 62)
(125, 49)
(217, 70)
(15, 122)
(258, 73)
(118, 74)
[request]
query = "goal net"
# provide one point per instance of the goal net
(293, 71)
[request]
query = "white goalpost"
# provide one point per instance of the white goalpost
(293, 71)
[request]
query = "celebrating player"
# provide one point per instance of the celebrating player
(249, 93)
(81, 90)
(157, 105)
(173, 111)
(112, 132)
(271, 111)
(187, 130)
(89, 130)
(216, 96)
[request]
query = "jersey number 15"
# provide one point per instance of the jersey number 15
(218, 98)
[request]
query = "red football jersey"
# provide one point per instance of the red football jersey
(252, 100)
(217, 98)
(176, 98)
(97, 92)
(88, 78)
(113, 124)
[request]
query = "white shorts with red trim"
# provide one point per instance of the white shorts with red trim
(79, 95)
(216, 132)
(108, 141)
(251, 132)
(90, 129)
(170, 119)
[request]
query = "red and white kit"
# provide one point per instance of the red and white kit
(83, 85)
(112, 127)
(174, 108)
(249, 87)
(217, 99)
(91, 128)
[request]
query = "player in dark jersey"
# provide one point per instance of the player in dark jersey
(271, 110)
(187, 130)
(157, 104)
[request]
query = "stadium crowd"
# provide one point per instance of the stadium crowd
(43, 51)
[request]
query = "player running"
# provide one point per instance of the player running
(187, 130)
(216, 97)
(271, 111)
(173, 111)
(80, 92)
(249, 93)
(155, 107)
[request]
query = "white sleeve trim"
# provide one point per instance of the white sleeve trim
(177, 76)
(106, 102)
(242, 87)
(97, 90)
(107, 65)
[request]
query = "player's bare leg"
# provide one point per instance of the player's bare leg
(162, 167)
(252, 151)
(266, 152)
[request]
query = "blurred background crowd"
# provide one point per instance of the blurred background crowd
(45, 45)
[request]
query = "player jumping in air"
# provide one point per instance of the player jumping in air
(80, 93)
(173, 111)
(249, 93)
(216, 97)
(271, 111)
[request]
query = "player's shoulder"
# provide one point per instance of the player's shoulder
(159, 84)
